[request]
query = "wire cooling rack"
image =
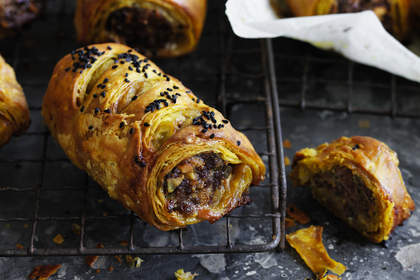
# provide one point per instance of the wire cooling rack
(42, 195)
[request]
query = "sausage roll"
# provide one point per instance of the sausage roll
(394, 14)
(14, 113)
(16, 13)
(358, 180)
(147, 139)
(157, 27)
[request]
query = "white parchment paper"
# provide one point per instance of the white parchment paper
(358, 36)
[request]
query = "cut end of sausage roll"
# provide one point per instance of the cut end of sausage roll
(147, 139)
(14, 112)
(157, 28)
(15, 14)
(394, 14)
(358, 180)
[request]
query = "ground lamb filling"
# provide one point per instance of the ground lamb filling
(145, 29)
(347, 196)
(193, 182)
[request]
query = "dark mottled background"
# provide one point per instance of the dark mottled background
(323, 79)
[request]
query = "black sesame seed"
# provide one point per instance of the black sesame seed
(146, 124)
(238, 143)
(130, 68)
(97, 110)
(122, 124)
(356, 147)
(225, 121)
(126, 80)
(162, 94)
(90, 127)
(122, 61)
(114, 66)
(169, 89)
(145, 75)
(109, 48)
(175, 87)
(95, 95)
(131, 130)
(107, 111)
(129, 51)
(126, 75)
(204, 130)
(103, 94)
(212, 136)
(105, 80)
(134, 97)
(82, 108)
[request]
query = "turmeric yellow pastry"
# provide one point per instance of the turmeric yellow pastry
(147, 139)
(358, 180)
(14, 113)
(394, 14)
(157, 27)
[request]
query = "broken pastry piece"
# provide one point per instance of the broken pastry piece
(358, 180)
(308, 243)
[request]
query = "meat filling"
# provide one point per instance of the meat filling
(347, 196)
(192, 183)
(145, 29)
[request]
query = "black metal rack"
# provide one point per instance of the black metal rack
(42, 194)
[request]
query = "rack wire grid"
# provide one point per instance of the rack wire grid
(42, 194)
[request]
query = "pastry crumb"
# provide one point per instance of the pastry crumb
(124, 243)
(58, 239)
(43, 272)
(180, 274)
(293, 212)
(287, 144)
(364, 123)
(286, 161)
(91, 260)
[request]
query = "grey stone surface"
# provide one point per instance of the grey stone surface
(325, 83)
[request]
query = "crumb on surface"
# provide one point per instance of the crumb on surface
(287, 144)
(286, 161)
(58, 239)
(180, 274)
(43, 272)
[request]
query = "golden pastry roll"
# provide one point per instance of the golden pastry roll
(14, 112)
(147, 139)
(14, 14)
(394, 14)
(359, 181)
(163, 28)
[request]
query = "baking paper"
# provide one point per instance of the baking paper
(358, 36)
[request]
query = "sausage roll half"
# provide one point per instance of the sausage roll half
(394, 14)
(14, 112)
(358, 180)
(157, 27)
(147, 139)
(16, 13)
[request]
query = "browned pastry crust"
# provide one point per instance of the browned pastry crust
(14, 113)
(157, 27)
(394, 14)
(147, 139)
(16, 13)
(358, 180)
